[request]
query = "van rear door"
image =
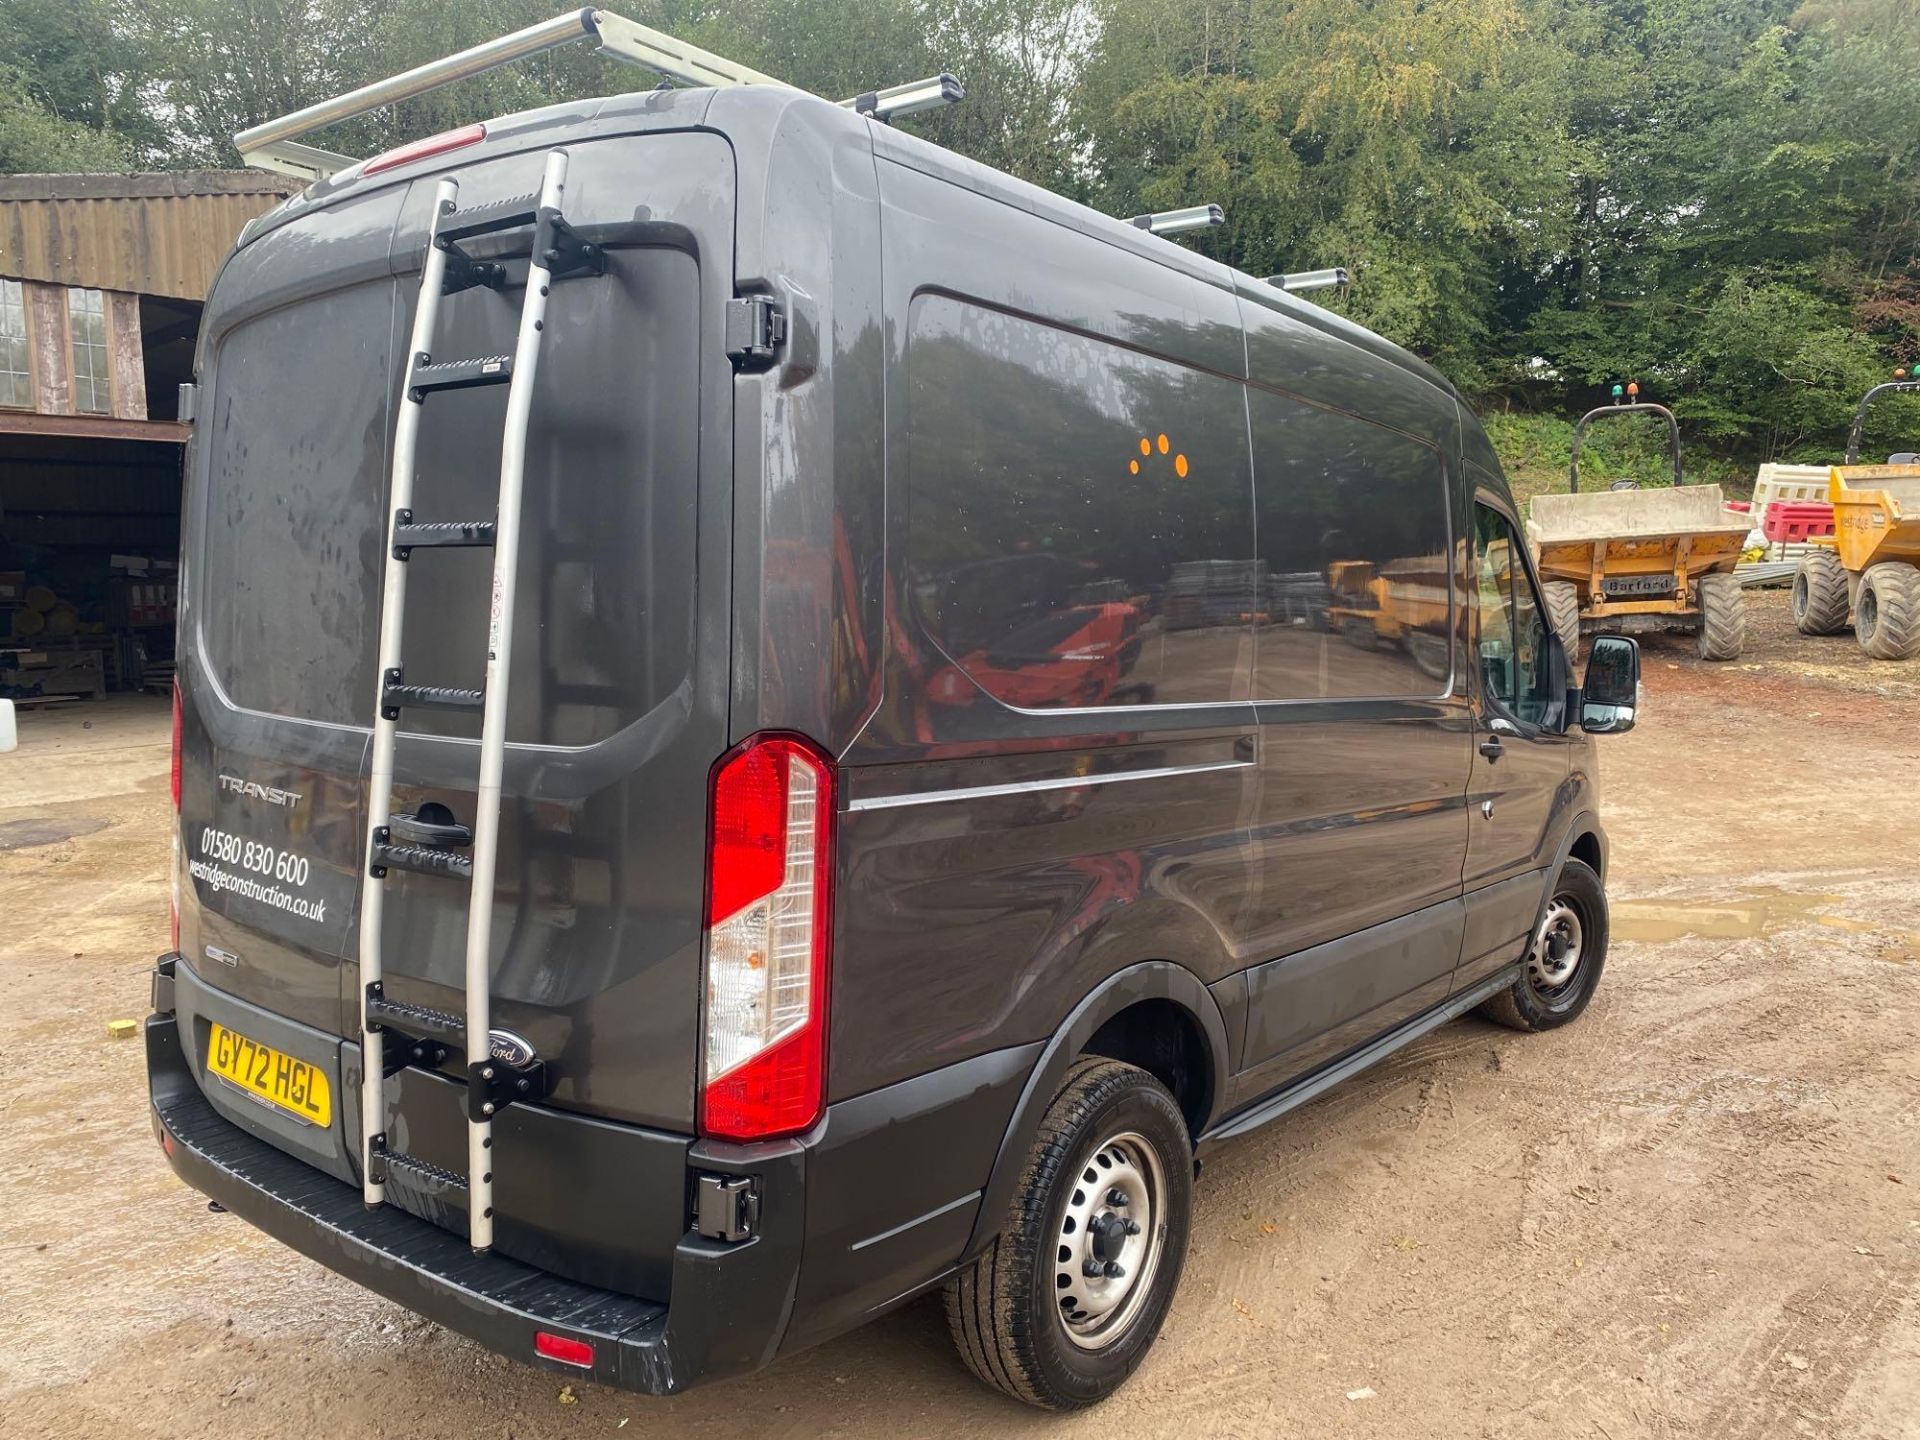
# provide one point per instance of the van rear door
(618, 694)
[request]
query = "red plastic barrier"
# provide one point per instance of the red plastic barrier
(1797, 520)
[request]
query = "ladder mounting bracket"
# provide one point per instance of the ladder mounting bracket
(492, 1085)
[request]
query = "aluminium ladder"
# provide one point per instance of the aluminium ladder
(413, 842)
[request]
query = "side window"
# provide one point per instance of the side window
(1080, 526)
(1512, 627)
(1357, 578)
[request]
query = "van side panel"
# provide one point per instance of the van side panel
(1025, 817)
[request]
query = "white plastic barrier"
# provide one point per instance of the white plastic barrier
(1795, 483)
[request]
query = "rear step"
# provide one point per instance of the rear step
(513, 213)
(491, 1082)
(421, 1174)
(394, 695)
(409, 534)
(420, 859)
(459, 375)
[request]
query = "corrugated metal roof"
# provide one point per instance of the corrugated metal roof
(155, 234)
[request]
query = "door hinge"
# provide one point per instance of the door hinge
(726, 1207)
(756, 329)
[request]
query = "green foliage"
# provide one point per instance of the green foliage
(1719, 199)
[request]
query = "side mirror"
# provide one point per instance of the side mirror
(1612, 690)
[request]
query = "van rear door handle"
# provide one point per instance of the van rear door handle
(416, 831)
(1492, 748)
(1496, 727)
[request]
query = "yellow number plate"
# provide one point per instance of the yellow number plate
(280, 1080)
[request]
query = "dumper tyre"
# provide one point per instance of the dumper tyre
(1563, 613)
(1723, 617)
(1887, 618)
(1564, 961)
(1035, 1316)
(1820, 594)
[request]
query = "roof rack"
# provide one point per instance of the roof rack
(277, 144)
(1172, 222)
(1296, 281)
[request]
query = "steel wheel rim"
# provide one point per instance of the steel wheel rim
(1800, 596)
(1115, 1216)
(1558, 948)
(1869, 616)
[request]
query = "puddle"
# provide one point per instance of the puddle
(1759, 912)
(25, 834)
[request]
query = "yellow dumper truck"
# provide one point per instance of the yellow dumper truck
(1633, 559)
(1870, 570)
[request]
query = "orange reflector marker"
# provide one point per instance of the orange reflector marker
(420, 149)
(563, 1348)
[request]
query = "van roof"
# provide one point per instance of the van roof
(757, 110)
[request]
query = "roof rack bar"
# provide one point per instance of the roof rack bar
(1296, 281)
(274, 145)
(1172, 222)
(910, 98)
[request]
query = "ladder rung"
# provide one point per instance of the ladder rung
(420, 859)
(416, 1021)
(427, 697)
(442, 533)
(460, 374)
(418, 1173)
(514, 213)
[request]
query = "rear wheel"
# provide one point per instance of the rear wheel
(1723, 617)
(1563, 613)
(1820, 594)
(1064, 1305)
(1887, 617)
(1563, 966)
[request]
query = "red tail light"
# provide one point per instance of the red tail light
(563, 1348)
(176, 744)
(769, 881)
(420, 149)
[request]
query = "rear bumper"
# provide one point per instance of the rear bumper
(732, 1303)
(873, 1205)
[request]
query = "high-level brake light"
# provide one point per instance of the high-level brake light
(768, 891)
(422, 149)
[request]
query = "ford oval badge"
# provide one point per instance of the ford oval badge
(510, 1049)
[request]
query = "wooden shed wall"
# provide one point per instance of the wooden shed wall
(156, 234)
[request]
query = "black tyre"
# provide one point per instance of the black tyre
(1820, 593)
(1887, 618)
(1563, 613)
(1723, 618)
(1360, 633)
(1564, 964)
(1063, 1306)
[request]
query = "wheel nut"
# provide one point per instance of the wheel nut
(1115, 1270)
(1117, 1197)
(1133, 1227)
(1092, 1269)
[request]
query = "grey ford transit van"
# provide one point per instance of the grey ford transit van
(995, 705)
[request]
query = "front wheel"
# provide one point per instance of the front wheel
(1887, 619)
(1723, 617)
(1063, 1306)
(1564, 962)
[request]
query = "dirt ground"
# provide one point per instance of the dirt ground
(1693, 1213)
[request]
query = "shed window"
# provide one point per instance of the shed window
(16, 381)
(87, 318)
